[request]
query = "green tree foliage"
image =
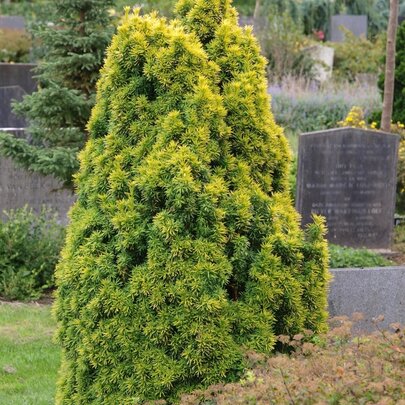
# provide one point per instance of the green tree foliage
(184, 249)
(58, 112)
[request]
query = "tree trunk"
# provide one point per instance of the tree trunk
(390, 67)
(257, 10)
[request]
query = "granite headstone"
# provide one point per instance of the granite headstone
(357, 24)
(348, 175)
(7, 118)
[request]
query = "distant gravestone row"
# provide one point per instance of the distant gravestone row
(356, 24)
(13, 22)
(19, 187)
(348, 175)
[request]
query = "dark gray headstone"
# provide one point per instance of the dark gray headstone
(18, 74)
(7, 118)
(19, 187)
(357, 24)
(13, 22)
(348, 175)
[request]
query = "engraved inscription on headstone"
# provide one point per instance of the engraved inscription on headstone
(19, 187)
(7, 118)
(348, 175)
(357, 24)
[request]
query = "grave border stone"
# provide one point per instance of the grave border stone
(371, 291)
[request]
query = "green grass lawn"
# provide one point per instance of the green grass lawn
(29, 360)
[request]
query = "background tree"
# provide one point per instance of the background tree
(74, 46)
(184, 249)
(390, 67)
(398, 112)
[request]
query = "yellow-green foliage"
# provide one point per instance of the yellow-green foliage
(184, 249)
(355, 119)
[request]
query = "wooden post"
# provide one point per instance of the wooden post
(390, 67)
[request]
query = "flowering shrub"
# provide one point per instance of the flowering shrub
(354, 119)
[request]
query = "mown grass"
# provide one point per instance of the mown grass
(29, 360)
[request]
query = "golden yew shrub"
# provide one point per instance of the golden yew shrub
(184, 249)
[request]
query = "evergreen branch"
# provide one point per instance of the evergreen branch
(59, 162)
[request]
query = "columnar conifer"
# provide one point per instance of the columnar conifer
(184, 249)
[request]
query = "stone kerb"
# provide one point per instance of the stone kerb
(370, 291)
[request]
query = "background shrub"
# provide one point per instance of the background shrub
(283, 44)
(358, 56)
(29, 251)
(14, 46)
(73, 46)
(342, 256)
(300, 107)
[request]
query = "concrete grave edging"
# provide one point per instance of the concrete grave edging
(372, 291)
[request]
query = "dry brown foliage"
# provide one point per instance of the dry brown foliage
(333, 369)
